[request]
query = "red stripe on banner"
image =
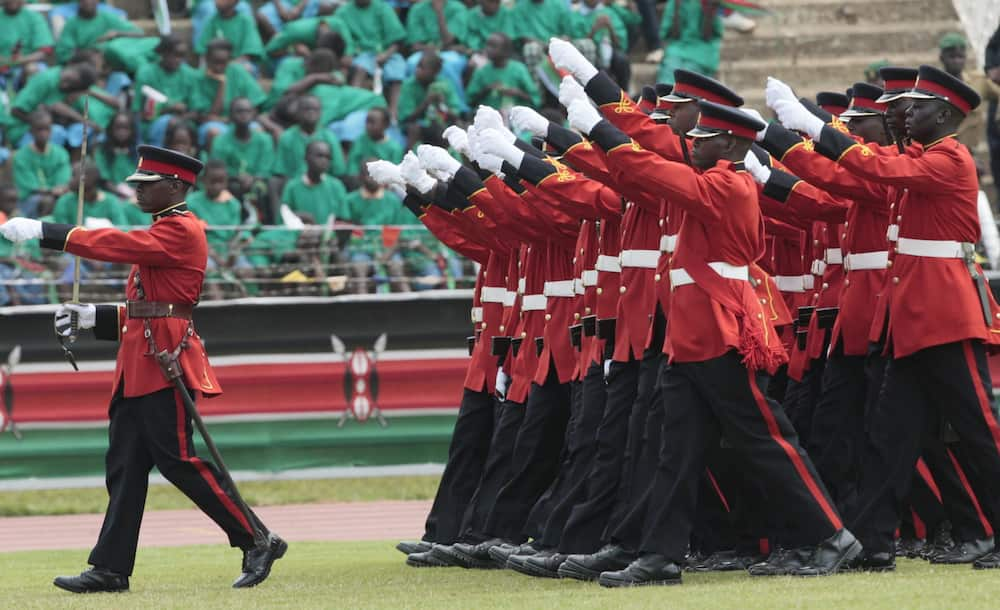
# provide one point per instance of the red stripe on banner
(984, 403)
(987, 528)
(718, 490)
(925, 474)
(793, 455)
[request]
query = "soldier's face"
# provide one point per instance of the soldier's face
(706, 152)
(683, 117)
(154, 196)
(923, 119)
(868, 128)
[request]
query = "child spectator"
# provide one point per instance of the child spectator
(600, 23)
(344, 108)
(291, 78)
(99, 104)
(218, 85)
(163, 89)
(427, 102)
(503, 82)
(316, 193)
(217, 207)
(116, 158)
(693, 39)
(51, 88)
(25, 38)
(440, 25)
(238, 28)
(374, 143)
(246, 153)
(305, 34)
(182, 137)
(41, 169)
(290, 160)
(489, 17)
(273, 16)
(379, 35)
(371, 206)
(18, 261)
(90, 27)
(99, 208)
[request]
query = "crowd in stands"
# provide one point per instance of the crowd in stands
(285, 101)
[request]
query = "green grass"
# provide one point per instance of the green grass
(372, 575)
(257, 493)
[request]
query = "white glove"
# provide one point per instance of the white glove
(492, 142)
(751, 112)
(761, 173)
(86, 318)
(567, 57)
(490, 118)
(523, 118)
(457, 139)
(570, 89)
(776, 90)
(21, 229)
(97, 223)
(385, 173)
(796, 117)
(583, 116)
(434, 158)
(502, 382)
(490, 163)
(607, 368)
(414, 175)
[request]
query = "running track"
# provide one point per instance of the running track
(389, 520)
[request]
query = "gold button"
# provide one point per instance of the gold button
(501, 328)
(815, 297)
(846, 223)
(888, 263)
(998, 314)
(763, 301)
(574, 259)
(844, 236)
(760, 315)
(661, 222)
(896, 249)
(815, 242)
(124, 329)
(576, 316)
(524, 334)
(657, 277)
(586, 311)
(847, 282)
(548, 317)
(825, 285)
(581, 251)
(599, 290)
(899, 218)
(895, 280)
(621, 290)
(484, 326)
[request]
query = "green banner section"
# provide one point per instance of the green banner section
(263, 446)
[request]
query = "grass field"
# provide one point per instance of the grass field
(257, 493)
(372, 575)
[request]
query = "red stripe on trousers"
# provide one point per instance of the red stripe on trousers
(919, 527)
(987, 528)
(984, 403)
(800, 467)
(201, 467)
(718, 490)
(928, 478)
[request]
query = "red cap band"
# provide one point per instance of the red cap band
(898, 86)
(686, 90)
(864, 103)
(167, 169)
(939, 90)
(712, 123)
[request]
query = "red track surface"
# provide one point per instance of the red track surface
(389, 520)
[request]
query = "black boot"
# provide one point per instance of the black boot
(501, 553)
(427, 559)
(832, 554)
(409, 547)
(470, 556)
(873, 562)
(589, 567)
(649, 569)
(782, 562)
(911, 548)
(965, 552)
(94, 580)
(544, 564)
(257, 562)
(723, 561)
(988, 562)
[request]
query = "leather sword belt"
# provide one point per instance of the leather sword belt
(155, 309)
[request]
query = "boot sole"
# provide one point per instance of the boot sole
(498, 558)
(849, 555)
(278, 554)
(426, 564)
(410, 549)
(576, 572)
(616, 584)
(532, 570)
(82, 591)
(465, 561)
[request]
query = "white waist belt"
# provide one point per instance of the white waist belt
(892, 234)
(834, 256)
(561, 288)
(533, 302)
(492, 294)
(578, 286)
(867, 260)
(645, 259)
(608, 263)
(680, 277)
(668, 243)
(818, 267)
(509, 297)
(589, 277)
(791, 283)
(808, 281)
(520, 286)
(477, 314)
(931, 248)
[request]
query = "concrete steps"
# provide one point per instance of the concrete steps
(798, 12)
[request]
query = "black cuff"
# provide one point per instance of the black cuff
(603, 90)
(816, 110)
(510, 170)
(482, 173)
(833, 142)
(455, 198)
(607, 136)
(107, 326)
(414, 204)
(761, 154)
(779, 186)
(562, 139)
(535, 170)
(778, 140)
(514, 184)
(467, 182)
(54, 235)
(528, 149)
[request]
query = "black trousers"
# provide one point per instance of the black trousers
(953, 473)
(571, 484)
(155, 430)
(801, 397)
(952, 380)
(704, 402)
(588, 519)
(536, 458)
(470, 444)
(496, 472)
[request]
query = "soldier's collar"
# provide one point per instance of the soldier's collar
(177, 208)
(939, 140)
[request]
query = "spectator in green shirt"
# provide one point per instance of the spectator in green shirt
(379, 36)
(503, 82)
(535, 22)
(182, 137)
(18, 261)
(238, 28)
(50, 88)
(99, 207)
(218, 85)
(116, 158)
(315, 193)
(374, 143)
(344, 107)
(274, 15)
(292, 78)
(90, 28)
(370, 257)
(172, 78)
(488, 17)
(598, 22)
(692, 38)
(290, 160)
(247, 154)
(428, 102)
(216, 206)
(41, 169)
(25, 38)
(442, 26)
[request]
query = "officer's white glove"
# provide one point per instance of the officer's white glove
(490, 118)
(457, 139)
(583, 116)
(796, 117)
(567, 57)
(385, 173)
(570, 89)
(777, 90)
(502, 382)
(523, 118)
(86, 318)
(434, 158)
(761, 173)
(492, 142)
(415, 175)
(97, 223)
(607, 368)
(21, 229)
(751, 112)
